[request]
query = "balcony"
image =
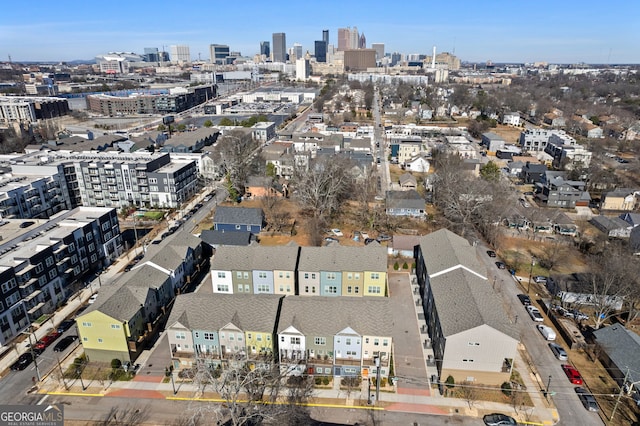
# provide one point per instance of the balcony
(348, 361)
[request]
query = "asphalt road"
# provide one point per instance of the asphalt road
(569, 407)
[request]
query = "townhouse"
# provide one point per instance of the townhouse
(255, 269)
(472, 338)
(329, 336)
(221, 329)
(126, 315)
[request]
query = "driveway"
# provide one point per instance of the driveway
(408, 356)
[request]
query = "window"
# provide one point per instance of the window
(263, 288)
(349, 276)
(374, 289)
(39, 268)
(181, 335)
(262, 275)
(474, 344)
(306, 276)
(467, 360)
(94, 258)
(331, 276)
(52, 273)
(385, 342)
(115, 326)
(209, 336)
(99, 340)
(320, 341)
(245, 275)
(89, 236)
(86, 324)
(247, 289)
(259, 337)
(349, 289)
(282, 339)
(221, 275)
(223, 288)
(287, 275)
(376, 342)
(239, 337)
(331, 289)
(280, 274)
(237, 227)
(348, 341)
(239, 275)
(351, 353)
(356, 289)
(313, 289)
(306, 289)
(366, 340)
(231, 337)
(85, 339)
(49, 261)
(375, 276)
(281, 288)
(357, 276)
(313, 276)
(295, 340)
(240, 287)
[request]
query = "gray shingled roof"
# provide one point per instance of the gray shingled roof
(238, 215)
(170, 256)
(443, 249)
(319, 315)
(465, 301)
(213, 311)
(255, 257)
(221, 238)
(622, 346)
(122, 299)
(343, 258)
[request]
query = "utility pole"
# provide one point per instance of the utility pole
(33, 355)
(377, 360)
(533, 260)
(615, 407)
(547, 392)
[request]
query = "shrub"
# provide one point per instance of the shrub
(405, 266)
(383, 382)
(450, 382)
(116, 363)
(318, 380)
(396, 266)
(325, 380)
(506, 388)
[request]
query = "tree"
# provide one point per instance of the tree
(235, 154)
(253, 394)
(208, 123)
(490, 172)
(468, 392)
(477, 127)
(227, 122)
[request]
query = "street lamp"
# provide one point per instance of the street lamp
(79, 373)
(547, 392)
(533, 262)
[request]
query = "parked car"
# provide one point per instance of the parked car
(93, 298)
(330, 239)
(534, 313)
(498, 419)
(384, 237)
(587, 399)
(524, 299)
(491, 253)
(23, 361)
(573, 374)
(64, 343)
(337, 232)
(368, 241)
(558, 351)
(43, 343)
(501, 265)
(579, 316)
(540, 279)
(547, 332)
(65, 325)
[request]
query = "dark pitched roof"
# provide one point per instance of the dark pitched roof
(443, 250)
(238, 215)
(221, 238)
(622, 346)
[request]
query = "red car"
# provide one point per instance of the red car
(43, 343)
(572, 374)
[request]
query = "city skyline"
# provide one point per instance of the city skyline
(556, 32)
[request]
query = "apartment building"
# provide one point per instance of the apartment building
(25, 197)
(112, 179)
(43, 262)
(27, 109)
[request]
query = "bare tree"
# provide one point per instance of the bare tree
(468, 392)
(235, 154)
(322, 187)
(254, 392)
(129, 415)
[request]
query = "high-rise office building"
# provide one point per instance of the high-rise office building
(359, 59)
(218, 53)
(320, 50)
(395, 58)
(279, 47)
(325, 37)
(348, 38)
(379, 48)
(362, 42)
(265, 49)
(297, 51)
(180, 53)
(151, 54)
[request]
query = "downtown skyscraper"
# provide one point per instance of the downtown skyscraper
(279, 47)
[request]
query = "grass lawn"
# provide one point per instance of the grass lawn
(154, 215)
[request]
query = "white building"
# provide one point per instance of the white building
(303, 69)
(117, 62)
(535, 140)
(511, 119)
(180, 54)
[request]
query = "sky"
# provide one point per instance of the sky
(558, 31)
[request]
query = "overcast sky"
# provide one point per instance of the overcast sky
(559, 31)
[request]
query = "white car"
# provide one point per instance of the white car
(534, 313)
(547, 332)
(337, 232)
(93, 298)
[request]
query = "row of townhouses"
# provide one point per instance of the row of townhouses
(313, 335)
(332, 270)
(129, 313)
(42, 263)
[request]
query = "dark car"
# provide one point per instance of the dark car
(384, 237)
(491, 253)
(65, 325)
(23, 361)
(26, 224)
(501, 265)
(368, 241)
(498, 419)
(64, 343)
(524, 299)
(587, 399)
